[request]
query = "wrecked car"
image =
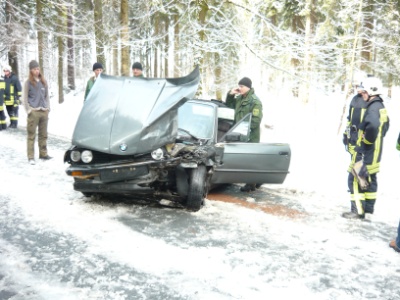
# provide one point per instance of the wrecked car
(149, 137)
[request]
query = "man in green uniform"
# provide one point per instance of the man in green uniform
(244, 101)
(137, 70)
(97, 70)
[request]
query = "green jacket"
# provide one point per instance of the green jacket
(243, 105)
(89, 86)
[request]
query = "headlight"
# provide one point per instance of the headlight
(157, 154)
(87, 156)
(75, 156)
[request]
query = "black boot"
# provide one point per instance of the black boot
(46, 157)
(352, 215)
(248, 187)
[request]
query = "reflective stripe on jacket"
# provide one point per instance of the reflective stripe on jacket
(371, 133)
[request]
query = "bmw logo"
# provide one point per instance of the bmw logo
(123, 147)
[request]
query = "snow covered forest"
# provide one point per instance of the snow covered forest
(298, 45)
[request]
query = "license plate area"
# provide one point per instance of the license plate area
(123, 173)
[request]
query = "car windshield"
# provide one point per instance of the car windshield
(198, 119)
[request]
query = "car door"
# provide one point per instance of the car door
(243, 162)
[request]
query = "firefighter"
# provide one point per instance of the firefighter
(3, 124)
(368, 151)
(356, 113)
(12, 95)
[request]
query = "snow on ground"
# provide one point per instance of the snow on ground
(57, 244)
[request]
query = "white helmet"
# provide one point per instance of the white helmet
(373, 86)
(7, 68)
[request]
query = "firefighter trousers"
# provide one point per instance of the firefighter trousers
(12, 111)
(362, 201)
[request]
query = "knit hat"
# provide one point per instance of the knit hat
(7, 68)
(137, 65)
(97, 65)
(33, 64)
(245, 81)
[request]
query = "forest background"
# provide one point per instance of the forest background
(293, 45)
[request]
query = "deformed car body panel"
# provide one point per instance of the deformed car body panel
(128, 115)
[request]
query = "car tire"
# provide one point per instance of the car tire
(87, 194)
(197, 188)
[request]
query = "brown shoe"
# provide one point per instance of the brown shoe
(392, 244)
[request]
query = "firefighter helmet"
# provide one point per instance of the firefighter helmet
(373, 86)
(7, 68)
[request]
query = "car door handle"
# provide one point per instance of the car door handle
(283, 153)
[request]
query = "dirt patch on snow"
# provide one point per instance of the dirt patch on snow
(269, 208)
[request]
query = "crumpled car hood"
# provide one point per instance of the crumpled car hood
(128, 115)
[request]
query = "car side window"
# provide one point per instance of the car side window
(240, 132)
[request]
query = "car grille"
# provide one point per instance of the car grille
(105, 158)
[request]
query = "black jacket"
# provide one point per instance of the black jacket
(372, 130)
(13, 90)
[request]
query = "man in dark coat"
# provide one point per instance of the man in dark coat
(12, 95)
(356, 113)
(3, 124)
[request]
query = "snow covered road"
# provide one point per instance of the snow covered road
(57, 244)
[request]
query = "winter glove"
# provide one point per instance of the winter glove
(345, 139)
(360, 172)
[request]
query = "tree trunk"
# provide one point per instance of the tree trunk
(176, 45)
(39, 14)
(296, 20)
(60, 43)
(99, 32)
(13, 48)
(202, 37)
(390, 85)
(217, 74)
(125, 61)
(353, 54)
(366, 43)
(155, 44)
(305, 88)
(70, 46)
(166, 47)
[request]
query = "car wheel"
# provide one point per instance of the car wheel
(87, 194)
(197, 188)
